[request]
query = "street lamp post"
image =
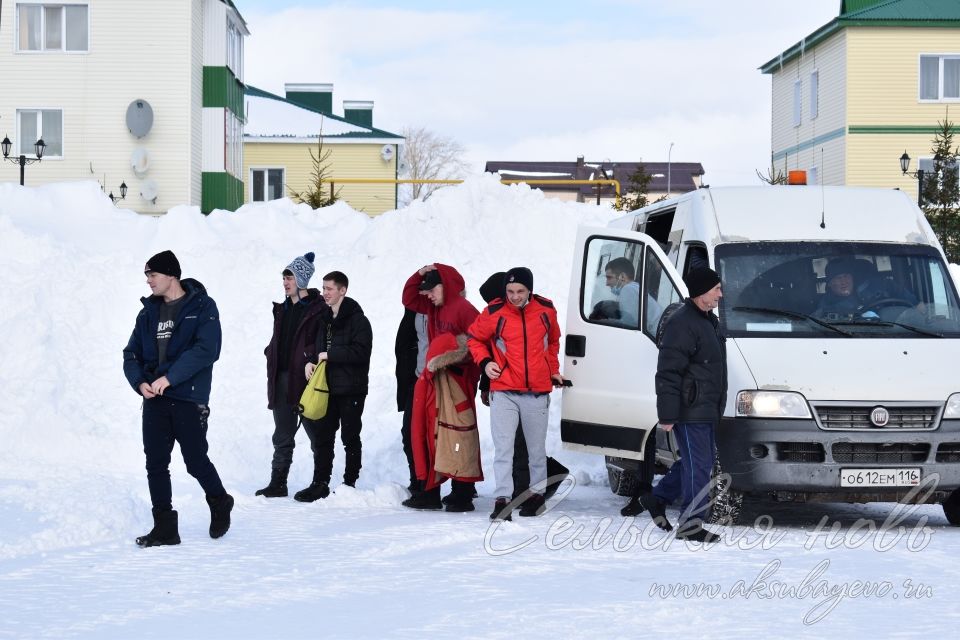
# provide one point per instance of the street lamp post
(669, 151)
(123, 194)
(22, 160)
(918, 174)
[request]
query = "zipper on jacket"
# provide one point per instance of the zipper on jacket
(526, 365)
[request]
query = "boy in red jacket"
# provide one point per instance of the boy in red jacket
(516, 342)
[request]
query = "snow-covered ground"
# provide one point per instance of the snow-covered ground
(73, 491)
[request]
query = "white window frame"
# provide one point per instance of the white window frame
(232, 144)
(814, 94)
(43, 17)
(234, 52)
(940, 58)
(39, 111)
(797, 102)
(265, 168)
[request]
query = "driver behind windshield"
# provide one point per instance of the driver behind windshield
(850, 292)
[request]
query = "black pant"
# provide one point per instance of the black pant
(286, 423)
(521, 464)
(166, 421)
(406, 435)
(343, 412)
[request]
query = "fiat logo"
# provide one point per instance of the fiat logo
(879, 417)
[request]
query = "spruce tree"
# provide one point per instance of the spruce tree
(940, 191)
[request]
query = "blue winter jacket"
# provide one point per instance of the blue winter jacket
(191, 352)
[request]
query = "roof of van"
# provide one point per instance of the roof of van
(795, 213)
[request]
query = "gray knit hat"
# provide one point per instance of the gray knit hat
(302, 269)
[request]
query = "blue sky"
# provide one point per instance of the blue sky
(611, 79)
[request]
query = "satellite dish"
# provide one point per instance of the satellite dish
(387, 152)
(149, 191)
(140, 161)
(139, 118)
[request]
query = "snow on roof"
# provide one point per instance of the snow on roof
(268, 117)
(533, 174)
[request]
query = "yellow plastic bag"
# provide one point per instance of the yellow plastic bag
(316, 397)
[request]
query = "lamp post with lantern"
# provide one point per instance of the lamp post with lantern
(22, 159)
(918, 174)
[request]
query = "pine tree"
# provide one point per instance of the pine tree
(318, 194)
(635, 196)
(940, 191)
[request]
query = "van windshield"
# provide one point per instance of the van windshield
(841, 290)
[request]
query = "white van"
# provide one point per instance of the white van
(830, 398)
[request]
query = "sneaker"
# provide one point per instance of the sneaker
(632, 508)
(657, 510)
(456, 504)
(314, 492)
(424, 500)
(501, 510)
(693, 531)
(535, 505)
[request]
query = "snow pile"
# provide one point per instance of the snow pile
(71, 281)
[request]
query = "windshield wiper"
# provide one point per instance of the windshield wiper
(887, 323)
(794, 314)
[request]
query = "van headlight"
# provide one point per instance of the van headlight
(952, 410)
(773, 404)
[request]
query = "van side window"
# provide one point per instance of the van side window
(659, 292)
(696, 258)
(611, 284)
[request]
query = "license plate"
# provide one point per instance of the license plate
(905, 477)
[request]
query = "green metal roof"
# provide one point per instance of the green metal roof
(876, 13)
(371, 132)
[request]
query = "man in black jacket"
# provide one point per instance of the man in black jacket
(293, 343)
(344, 340)
(691, 385)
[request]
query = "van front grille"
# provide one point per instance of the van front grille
(800, 452)
(884, 453)
(948, 452)
(858, 417)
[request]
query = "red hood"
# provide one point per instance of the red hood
(451, 280)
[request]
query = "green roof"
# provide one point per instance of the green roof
(876, 13)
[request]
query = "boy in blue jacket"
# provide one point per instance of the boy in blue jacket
(169, 361)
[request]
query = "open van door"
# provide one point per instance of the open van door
(610, 350)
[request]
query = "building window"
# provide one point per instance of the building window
(235, 50)
(797, 103)
(814, 94)
(266, 184)
(940, 77)
(33, 124)
(233, 147)
(52, 27)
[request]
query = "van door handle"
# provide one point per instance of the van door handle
(575, 346)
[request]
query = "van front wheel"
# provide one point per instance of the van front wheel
(951, 508)
(622, 482)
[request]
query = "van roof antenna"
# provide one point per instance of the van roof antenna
(823, 206)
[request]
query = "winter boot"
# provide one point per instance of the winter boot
(693, 531)
(424, 500)
(657, 509)
(220, 508)
(632, 508)
(164, 530)
(316, 491)
(535, 505)
(278, 484)
(501, 510)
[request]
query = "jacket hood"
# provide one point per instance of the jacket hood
(315, 297)
(493, 287)
(451, 280)
(348, 307)
(446, 349)
(191, 286)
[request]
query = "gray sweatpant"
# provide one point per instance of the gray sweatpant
(531, 411)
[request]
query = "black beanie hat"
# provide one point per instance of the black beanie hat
(700, 280)
(520, 275)
(164, 262)
(493, 287)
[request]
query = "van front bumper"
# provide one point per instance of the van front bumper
(796, 459)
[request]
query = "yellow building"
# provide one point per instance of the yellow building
(280, 133)
(851, 97)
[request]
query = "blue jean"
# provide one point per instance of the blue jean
(690, 475)
(166, 421)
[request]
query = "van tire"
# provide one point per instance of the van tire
(622, 483)
(727, 503)
(951, 508)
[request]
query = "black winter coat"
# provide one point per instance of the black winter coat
(691, 377)
(302, 349)
(406, 350)
(348, 341)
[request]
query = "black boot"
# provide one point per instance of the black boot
(316, 491)
(693, 530)
(424, 500)
(164, 530)
(220, 508)
(657, 509)
(278, 484)
(501, 510)
(632, 508)
(535, 505)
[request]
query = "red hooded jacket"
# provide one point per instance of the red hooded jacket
(525, 344)
(454, 315)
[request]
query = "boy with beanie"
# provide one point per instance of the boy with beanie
(691, 386)
(296, 322)
(516, 342)
(169, 362)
